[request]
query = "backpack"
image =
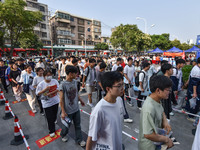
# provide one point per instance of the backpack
(89, 72)
(137, 82)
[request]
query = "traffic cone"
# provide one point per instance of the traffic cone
(2, 98)
(8, 114)
(18, 139)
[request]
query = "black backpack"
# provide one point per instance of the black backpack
(89, 72)
(137, 82)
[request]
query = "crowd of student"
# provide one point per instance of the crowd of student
(56, 83)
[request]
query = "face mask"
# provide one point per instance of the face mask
(48, 78)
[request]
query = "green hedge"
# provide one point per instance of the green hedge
(186, 72)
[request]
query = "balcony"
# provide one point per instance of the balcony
(62, 20)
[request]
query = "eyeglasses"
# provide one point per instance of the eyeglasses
(119, 86)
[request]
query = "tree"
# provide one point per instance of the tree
(31, 41)
(129, 38)
(176, 43)
(101, 46)
(17, 21)
(161, 41)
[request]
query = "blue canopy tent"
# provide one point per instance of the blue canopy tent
(193, 49)
(157, 50)
(175, 50)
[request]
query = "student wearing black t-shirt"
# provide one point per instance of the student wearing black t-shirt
(15, 74)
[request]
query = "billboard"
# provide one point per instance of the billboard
(198, 39)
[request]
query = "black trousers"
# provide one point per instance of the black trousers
(140, 97)
(51, 115)
(3, 81)
(54, 72)
(99, 95)
(76, 118)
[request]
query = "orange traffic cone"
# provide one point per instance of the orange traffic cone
(2, 98)
(18, 139)
(8, 114)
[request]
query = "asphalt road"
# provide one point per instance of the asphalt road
(36, 128)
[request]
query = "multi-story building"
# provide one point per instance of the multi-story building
(42, 29)
(68, 29)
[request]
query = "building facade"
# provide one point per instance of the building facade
(68, 29)
(42, 29)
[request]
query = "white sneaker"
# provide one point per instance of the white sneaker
(171, 114)
(82, 143)
(129, 103)
(52, 134)
(34, 111)
(90, 104)
(65, 139)
(128, 120)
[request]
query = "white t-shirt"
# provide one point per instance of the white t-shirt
(37, 80)
(129, 71)
(196, 145)
(62, 69)
(144, 79)
(106, 125)
(114, 68)
(40, 65)
(46, 101)
(195, 73)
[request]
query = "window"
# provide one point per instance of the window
(42, 9)
(71, 18)
(105, 40)
(89, 37)
(81, 29)
(44, 34)
(73, 42)
(88, 22)
(63, 16)
(96, 23)
(95, 30)
(81, 21)
(43, 18)
(96, 36)
(63, 32)
(43, 26)
(79, 42)
(64, 41)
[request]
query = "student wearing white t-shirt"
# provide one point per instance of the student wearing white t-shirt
(105, 129)
(115, 66)
(48, 90)
(129, 74)
(39, 78)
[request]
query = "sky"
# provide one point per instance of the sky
(179, 18)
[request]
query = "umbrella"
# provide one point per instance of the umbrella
(175, 50)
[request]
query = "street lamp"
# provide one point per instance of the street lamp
(87, 29)
(145, 22)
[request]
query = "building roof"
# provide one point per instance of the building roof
(74, 15)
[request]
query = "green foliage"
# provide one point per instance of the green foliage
(31, 41)
(101, 46)
(186, 72)
(130, 38)
(17, 21)
(161, 41)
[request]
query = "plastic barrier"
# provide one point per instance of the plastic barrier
(180, 111)
(17, 139)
